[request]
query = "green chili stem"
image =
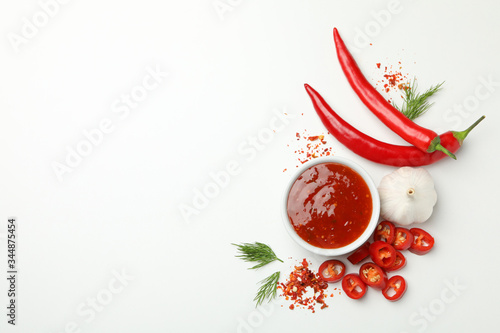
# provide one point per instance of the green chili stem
(460, 136)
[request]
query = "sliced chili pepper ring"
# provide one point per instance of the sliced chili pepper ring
(332, 270)
(385, 231)
(373, 275)
(395, 289)
(382, 254)
(422, 241)
(353, 286)
(399, 263)
(403, 239)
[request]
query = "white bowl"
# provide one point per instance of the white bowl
(371, 225)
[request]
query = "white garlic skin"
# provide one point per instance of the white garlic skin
(407, 196)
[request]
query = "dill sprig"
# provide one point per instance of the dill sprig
(414, 103)
(268, 289)
(256, 252)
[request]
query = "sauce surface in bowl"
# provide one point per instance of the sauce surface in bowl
(329, 205)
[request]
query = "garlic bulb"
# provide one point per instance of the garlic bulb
(407, 196)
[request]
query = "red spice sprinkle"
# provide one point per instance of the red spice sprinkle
(314, 147)
(392, 79)
(301, 279)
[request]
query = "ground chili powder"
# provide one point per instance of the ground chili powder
(301, 281)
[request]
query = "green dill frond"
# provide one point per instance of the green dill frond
(414, 103)
(268, 289)
(256, 252)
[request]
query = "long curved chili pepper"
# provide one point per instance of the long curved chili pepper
(422, 138)
(378, 151)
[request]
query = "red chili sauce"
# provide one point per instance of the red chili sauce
(329, 205)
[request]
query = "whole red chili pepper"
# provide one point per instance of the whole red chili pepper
(422, 138)
(378, 151)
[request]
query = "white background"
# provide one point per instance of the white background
(118, 211)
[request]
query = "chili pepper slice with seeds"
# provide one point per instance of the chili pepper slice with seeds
(395, 289)
(332, 270)
(399, 263)
(372, 275)
(382, 254)
(422, 241)
(353, 286)
(385, 231)
(378, 151)
(422, 138)
(403, 239)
